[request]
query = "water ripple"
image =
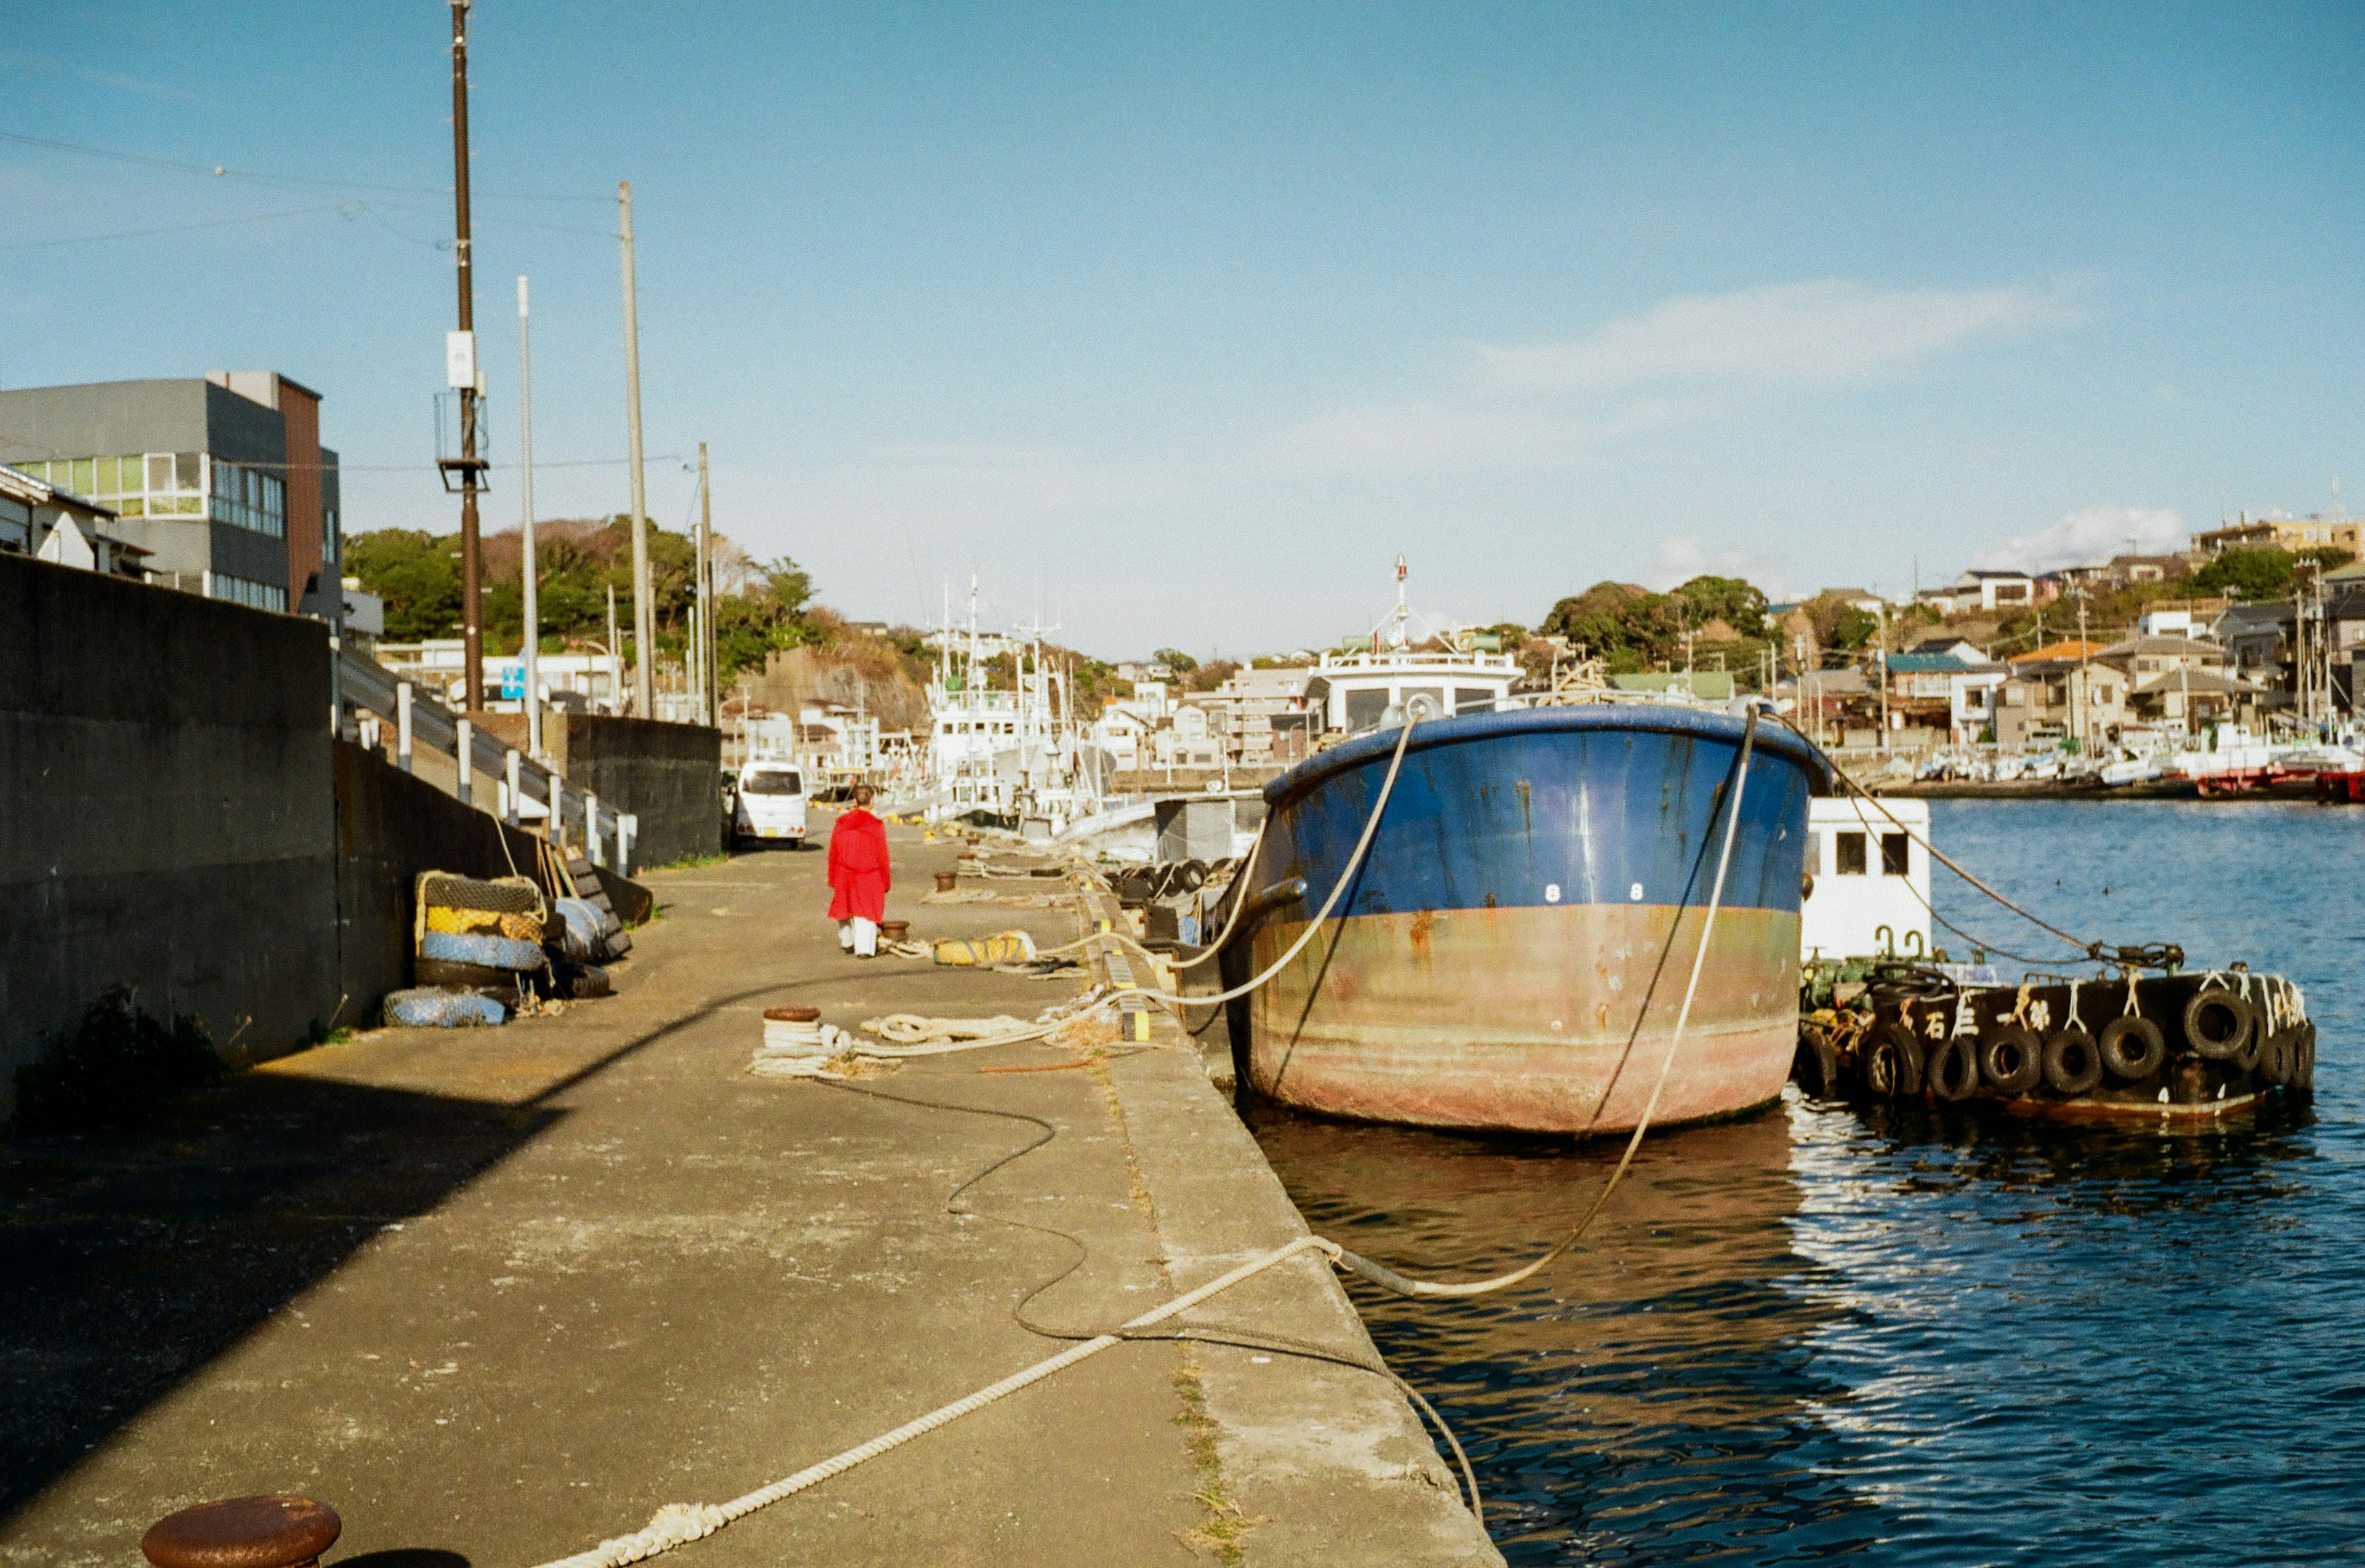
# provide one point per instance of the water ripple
(1930, 1338)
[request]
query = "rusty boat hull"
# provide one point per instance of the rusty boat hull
(1513, 951)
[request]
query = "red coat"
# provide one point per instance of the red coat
(858, 874)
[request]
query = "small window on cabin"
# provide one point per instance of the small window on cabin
(1851, 854)
(1894, 853)
(1365, 708)
(1472, 700)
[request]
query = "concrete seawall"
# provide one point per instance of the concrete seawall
(499, 1295)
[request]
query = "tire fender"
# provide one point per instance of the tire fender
(2133, 1048)
(2011, 1060)
(2218, 1023)
(1952, 1072)
(2073, 1066)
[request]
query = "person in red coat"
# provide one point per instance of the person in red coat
(859, 876)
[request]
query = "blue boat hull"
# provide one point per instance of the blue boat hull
(1514, 949)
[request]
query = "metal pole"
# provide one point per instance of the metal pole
(644, 610)
(705, 593)
(533, 649)
(471, 553)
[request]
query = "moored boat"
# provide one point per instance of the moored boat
(1513, 950)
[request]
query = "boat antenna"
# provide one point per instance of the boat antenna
(1404, 612)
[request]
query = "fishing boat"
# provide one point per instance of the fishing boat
(1512, 950)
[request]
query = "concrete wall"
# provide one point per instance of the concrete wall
(670, 776)
(166, 820)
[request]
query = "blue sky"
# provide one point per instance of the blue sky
(1177, 323)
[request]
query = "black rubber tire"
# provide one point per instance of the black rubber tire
(1893, 1063)
(2279, 1057)
(1952, 1069)
(1816, 1065)
(2214, 1044)
(2011, 1060)
(2304, 1063)
(2133, 1048)
(2073, 1063)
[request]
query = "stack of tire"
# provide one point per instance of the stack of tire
(2005, 1061)
(479, 936)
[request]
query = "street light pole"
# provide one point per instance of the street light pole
(472, 551)
(525, 486)
(644, 611)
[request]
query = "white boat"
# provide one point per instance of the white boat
(1016, 753)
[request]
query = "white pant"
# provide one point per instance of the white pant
(859, 936)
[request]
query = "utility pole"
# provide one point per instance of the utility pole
(2085, 680)
(644, 609)
(461, 370)
(533, 649)
(705, 592)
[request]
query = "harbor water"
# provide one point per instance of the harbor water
(1923, 1336)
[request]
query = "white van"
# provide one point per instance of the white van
(771, 803)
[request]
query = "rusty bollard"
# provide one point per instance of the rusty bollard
(947, 880)
(272, 1531)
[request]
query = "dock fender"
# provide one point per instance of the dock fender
(2218, 1023)
(2277, 1056)
(1893, 1063)
(1952, 1070)
(2012, 1058)
(2304, 1058)
(2072, 1065)
(2133, 1048)
(1816, 1065)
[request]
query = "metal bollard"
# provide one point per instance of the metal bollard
(464, 748)
(271, 1531)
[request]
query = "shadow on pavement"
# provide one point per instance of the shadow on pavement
(126, 1262)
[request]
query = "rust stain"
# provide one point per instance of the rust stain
(1490, 900)
(1422, 923)
(1527, 807)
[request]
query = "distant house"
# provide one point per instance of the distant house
(1945, 690)
(2140, 658)
(2045, 700)
(2070, 648)
(1980, 589)
(2257, 643)
(2283, 533)
(2187, 695)
(1954, 647)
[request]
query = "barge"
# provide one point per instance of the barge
(1883, 1015)
(1511, 955)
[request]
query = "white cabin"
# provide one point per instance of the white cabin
(1869, 879)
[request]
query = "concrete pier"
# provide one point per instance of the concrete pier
(496, 1295)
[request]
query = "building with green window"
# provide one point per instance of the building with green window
(222, 479)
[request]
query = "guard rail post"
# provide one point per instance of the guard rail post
(464, 751)
(592, 830)
(402, 726)
(628, 827)
(516, 811)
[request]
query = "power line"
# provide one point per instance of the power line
(219, 171)
(176, 227)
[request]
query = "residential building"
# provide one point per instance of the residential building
(1956, 647)
(2282, 534)
(2045, 699)
(2257, 643)
(2120, 572)
(1258, 706)
(2069, 648)
(222, 479)
(2188, 696)
(1980, 589)
(38, 518)
(2140, 658)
